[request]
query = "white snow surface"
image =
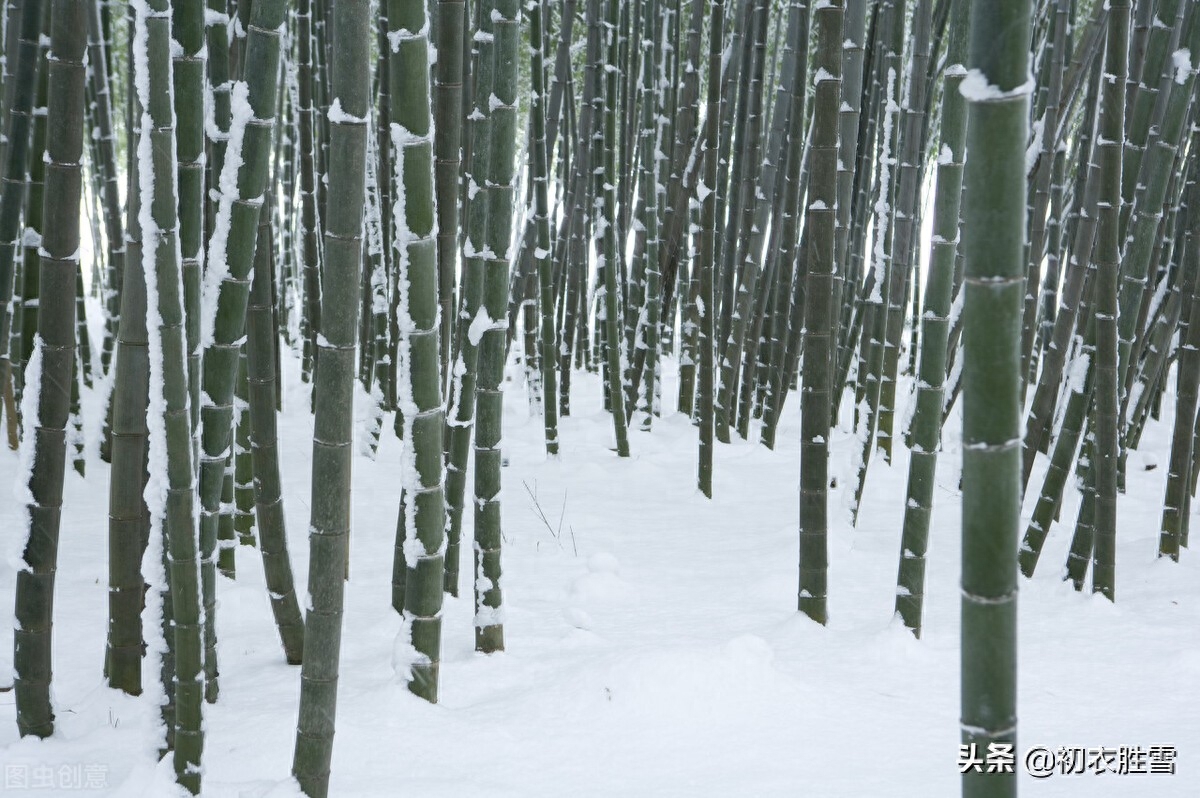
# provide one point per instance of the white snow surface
(976, 87)
(1182, 60)
(653, 647)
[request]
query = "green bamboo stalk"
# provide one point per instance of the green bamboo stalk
(383, 326)
(1079, 556)
(735, 88)
(1156, 172)
(217, 29)
(1154, 366)
(573, 232)
(935, 330)
(765, 193)
(910, 173)
(816, 394)
(489, 621)
(46, 410)
(1177, 503)
(226, 543)
(704, 260)
(685, 138)
(421, 527)
(1075, 289)
(461, 399)
(333, 433)
(310, 232)
(1109, 149)
(1148, 67)
(643, 313)
(32, 221)
(227, 278)
(243, 468)
(993, 249)
(447, 145)
(188, 65)
(741, 274)
(128, 516)
(788, 216)
(541, 219)
(685, 170)
(1049, 501)
(171, 503)
(609, 260)
(261, 355)
(1049, 94)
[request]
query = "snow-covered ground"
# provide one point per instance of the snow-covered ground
(653, 647)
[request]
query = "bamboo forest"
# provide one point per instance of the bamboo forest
(595, 398)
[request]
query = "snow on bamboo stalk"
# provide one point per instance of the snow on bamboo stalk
(1109, 149)
(333, 431)
(993, 249)
(46, 400)
(935, 329)
(420, 537)
(170, 491)
(815, 394)
(226, 285)
(489, 618)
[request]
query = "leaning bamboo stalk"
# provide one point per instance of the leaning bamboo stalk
(333, 430)
(1177, 502)
(264, 451)
(935, 331)
(227, 283)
